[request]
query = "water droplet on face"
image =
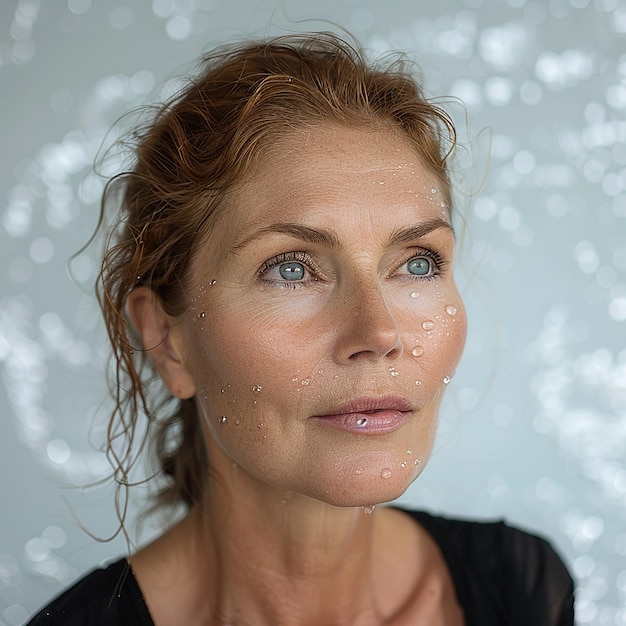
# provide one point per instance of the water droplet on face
(409, 452)
(306, 381)
(451, 310)
(260, 425)
(418, 382)
(415, 294)
(393, 372)
(386, 473)
(433, 190)
(403, 464)
(428, 324)
(416, 462)
(368, 509)
(237, 422)
(417, 351)
(223, 419)
(202, 314)
(212, 282)
(257, 388)
(358, 472)
(361, 422)
(446, 380)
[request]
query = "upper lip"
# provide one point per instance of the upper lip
(368, 404)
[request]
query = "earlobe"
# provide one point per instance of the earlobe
(161, 340)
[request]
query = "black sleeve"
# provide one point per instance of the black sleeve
(544, 577)
(105, 597)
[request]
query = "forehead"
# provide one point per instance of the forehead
(312, 158)
(338, 175)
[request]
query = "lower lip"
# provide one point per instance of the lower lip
(376, 423)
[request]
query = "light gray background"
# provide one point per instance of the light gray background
(534, 426)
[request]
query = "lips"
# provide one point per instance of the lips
(368, 415)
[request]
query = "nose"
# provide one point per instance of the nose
(367, 328)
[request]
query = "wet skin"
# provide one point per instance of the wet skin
(324, 296)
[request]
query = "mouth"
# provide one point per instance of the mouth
(368, 415)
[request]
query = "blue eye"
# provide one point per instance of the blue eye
(291, 271)
(420, 266)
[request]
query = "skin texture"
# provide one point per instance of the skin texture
(351, 213)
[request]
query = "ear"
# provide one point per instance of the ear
(162, 341)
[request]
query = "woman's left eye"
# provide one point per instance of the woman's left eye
(422, 265)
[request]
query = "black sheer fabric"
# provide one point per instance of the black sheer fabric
(503, 577)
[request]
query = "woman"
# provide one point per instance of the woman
(284, 254)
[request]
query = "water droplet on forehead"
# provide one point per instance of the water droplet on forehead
(386, 473)
(417, 351)
(415, 294)
(428, 324)
(451, 310)
(257, 388)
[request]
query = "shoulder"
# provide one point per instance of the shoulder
(104, 597)
(515, 569)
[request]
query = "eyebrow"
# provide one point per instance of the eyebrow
(406, 235)
(330, 239)
(305, 233)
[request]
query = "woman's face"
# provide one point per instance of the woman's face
(324, 322)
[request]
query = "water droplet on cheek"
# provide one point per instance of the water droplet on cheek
(428, 324)
(418, 382)
(202, 314)
(257, 389)
(306, 381)
(451, 310)
(393, 372)
(386, 473)
(415, 294)
(417, 351)
(223, 419)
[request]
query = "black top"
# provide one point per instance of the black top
(503, 577)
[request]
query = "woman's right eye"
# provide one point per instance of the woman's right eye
(292, 270)
(288, 269)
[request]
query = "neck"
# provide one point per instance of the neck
(274, 555)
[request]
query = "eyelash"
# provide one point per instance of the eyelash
(438, 265)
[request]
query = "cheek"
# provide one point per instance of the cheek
(434, 333)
